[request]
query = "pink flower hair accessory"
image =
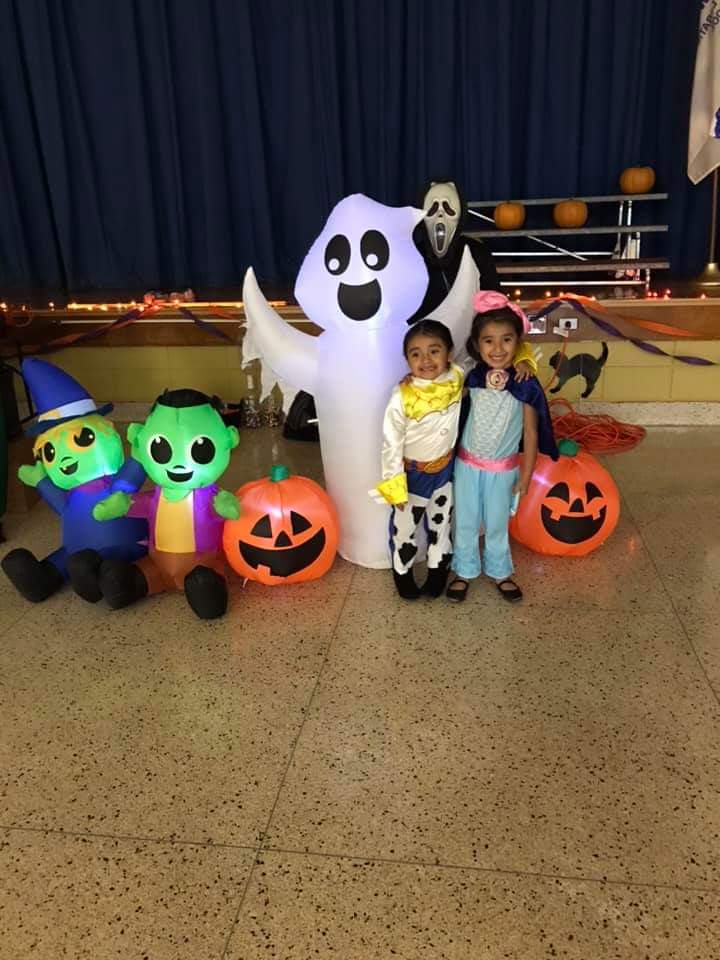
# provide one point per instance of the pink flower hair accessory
(486, 300)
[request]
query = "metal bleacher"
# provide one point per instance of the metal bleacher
(622, 266)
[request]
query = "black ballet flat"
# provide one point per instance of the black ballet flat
(457, 591)
(513, 594)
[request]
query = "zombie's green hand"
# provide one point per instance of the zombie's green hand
(226, 505)
(31, 476)
(112, 507)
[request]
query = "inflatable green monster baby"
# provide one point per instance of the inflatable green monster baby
(184, 447)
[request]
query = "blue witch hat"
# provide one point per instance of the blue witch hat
(57, 397)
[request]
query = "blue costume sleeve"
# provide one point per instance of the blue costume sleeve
(53, 496)
(129, 478)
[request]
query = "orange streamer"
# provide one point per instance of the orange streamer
(593, 306)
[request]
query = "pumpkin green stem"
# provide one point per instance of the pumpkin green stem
(568, 448)
(278, 472)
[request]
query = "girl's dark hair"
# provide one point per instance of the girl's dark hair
(428, 328)
(481, 320)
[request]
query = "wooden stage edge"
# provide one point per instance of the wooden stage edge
(167, 328)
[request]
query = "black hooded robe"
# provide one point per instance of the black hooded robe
(442, 271)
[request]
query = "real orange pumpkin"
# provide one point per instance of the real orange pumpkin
(570, 213)
(509, 216)
(287, 531)
(637, 180)
(571, 507)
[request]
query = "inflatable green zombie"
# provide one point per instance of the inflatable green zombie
(184, 447)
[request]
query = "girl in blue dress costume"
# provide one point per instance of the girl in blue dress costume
(502, 414)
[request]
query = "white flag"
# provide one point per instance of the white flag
(704, 140)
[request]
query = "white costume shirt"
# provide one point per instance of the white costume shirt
(421, 421)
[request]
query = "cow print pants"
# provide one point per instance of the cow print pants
(435, 511)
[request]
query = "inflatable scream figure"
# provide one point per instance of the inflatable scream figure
(79, 461)
(184, 447)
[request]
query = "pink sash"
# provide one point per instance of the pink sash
(494, 466)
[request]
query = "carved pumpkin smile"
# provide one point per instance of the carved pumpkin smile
(283, 561)
(572, 529)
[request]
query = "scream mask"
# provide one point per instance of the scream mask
(442, 216)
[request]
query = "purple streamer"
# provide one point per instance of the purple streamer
(205, 325)
(613, 331)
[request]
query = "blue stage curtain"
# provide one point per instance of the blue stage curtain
(159, 143)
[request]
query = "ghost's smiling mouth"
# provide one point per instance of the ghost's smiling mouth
(359, 301)
(70, 469)
(180, 476)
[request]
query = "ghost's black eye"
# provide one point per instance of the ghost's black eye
(433, 209)
(202, 450)
(48, 452)
(374, 250)
(85, 438)
(561, 490)
(337, 254)
(160, 449)
(448, 209)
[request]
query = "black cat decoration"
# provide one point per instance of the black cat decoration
(581, 365)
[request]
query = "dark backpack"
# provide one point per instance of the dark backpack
(301, 411)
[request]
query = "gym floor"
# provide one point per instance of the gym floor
(331, 772)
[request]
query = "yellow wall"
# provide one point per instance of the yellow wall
(630, 374)
(141, 373)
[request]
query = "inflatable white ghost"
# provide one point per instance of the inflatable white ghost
(361, 280)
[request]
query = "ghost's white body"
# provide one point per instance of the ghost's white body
(351, 373)
(361, 280)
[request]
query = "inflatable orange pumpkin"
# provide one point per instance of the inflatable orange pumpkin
(571, 507)
(287, 531)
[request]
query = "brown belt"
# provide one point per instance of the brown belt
(430, 466)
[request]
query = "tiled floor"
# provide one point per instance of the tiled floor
(330, 773)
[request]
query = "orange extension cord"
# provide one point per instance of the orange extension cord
(596, 433)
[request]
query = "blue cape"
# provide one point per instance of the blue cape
(526, 391)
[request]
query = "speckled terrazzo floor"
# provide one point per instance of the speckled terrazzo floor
(329, 773)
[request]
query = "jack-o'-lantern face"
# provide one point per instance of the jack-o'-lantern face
(283, 553)
(571, 507)
(572, 518)
(287, 531)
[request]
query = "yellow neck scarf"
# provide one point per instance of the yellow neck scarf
(418, 401)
